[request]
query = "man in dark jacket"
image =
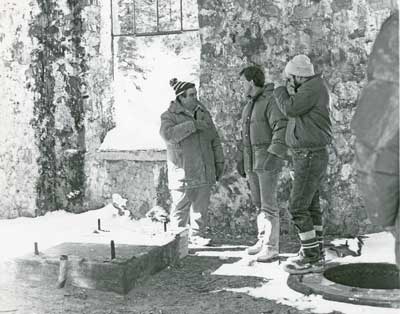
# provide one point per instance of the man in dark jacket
(262, 154)
(195, 159)
(376, 126)
(305, 101)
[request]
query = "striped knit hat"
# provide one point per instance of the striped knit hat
(180, 87)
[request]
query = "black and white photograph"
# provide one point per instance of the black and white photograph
(199, 157)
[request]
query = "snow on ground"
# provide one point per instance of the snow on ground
(17, 236)
(378, 247)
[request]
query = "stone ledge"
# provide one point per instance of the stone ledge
(136, 155)
(89, 264)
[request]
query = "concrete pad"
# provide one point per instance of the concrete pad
(90, 265)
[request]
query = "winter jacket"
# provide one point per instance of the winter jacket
(376, 126)
(263, 132)
(309, 126)
(192, 153)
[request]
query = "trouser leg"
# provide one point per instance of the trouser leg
(200, 200)
(254, 185)
(309, 169)
(316, 216)
(180, 208)
(268, 183)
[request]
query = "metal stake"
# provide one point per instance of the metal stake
(112, 249)
(98, 224)
(36, 248)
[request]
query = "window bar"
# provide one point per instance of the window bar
(158, 17)
(181, 7)
(134, 16)
(112, 39)
(157, 33)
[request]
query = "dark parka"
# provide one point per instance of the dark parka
(309, 125)
(263, 131)
(192, 154)
(376, 126)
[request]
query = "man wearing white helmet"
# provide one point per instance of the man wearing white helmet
(305, 101)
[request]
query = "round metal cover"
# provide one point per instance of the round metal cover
(373, 284)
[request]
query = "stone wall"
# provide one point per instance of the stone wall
(56, 69)
(139, 176)
(18, 152)
(337, 36)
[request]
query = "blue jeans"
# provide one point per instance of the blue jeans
(304, 205)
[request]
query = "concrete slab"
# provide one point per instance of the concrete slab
(89, 265)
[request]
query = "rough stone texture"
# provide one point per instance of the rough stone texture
(18, 153)
(57, 104)
(139, 176)
(337, 36)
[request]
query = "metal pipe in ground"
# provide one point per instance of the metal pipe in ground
(62, 272)
(112, 249)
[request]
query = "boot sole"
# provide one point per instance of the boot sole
(268, 260)
(296, 271)
(253, 253)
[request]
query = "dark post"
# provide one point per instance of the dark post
(112, 249)
(165, 226)
(62, 272)
(98, 224)
(36, 249)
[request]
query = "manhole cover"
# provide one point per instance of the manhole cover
(374, 284)
(365, 275)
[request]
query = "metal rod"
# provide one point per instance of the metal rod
(157, 33)
(36, 248)
(98, 224)
(62, 271)
(134, 16)
(112, 249)
(157, 16)
(112, 40)
(165, 226)
(181, 8)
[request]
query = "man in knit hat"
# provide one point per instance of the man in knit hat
(261, 158)
(195, 159)
(305, 101)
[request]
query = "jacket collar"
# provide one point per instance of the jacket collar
(176, 107)
(263, 91)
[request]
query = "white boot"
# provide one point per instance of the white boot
(267, 254)
(256, 248)
(270, 249)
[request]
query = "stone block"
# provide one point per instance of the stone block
(90, 265)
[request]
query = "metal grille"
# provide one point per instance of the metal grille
(150, 18)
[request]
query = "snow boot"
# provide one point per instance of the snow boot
(268, 254)
(256, 248)
(309, 259)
